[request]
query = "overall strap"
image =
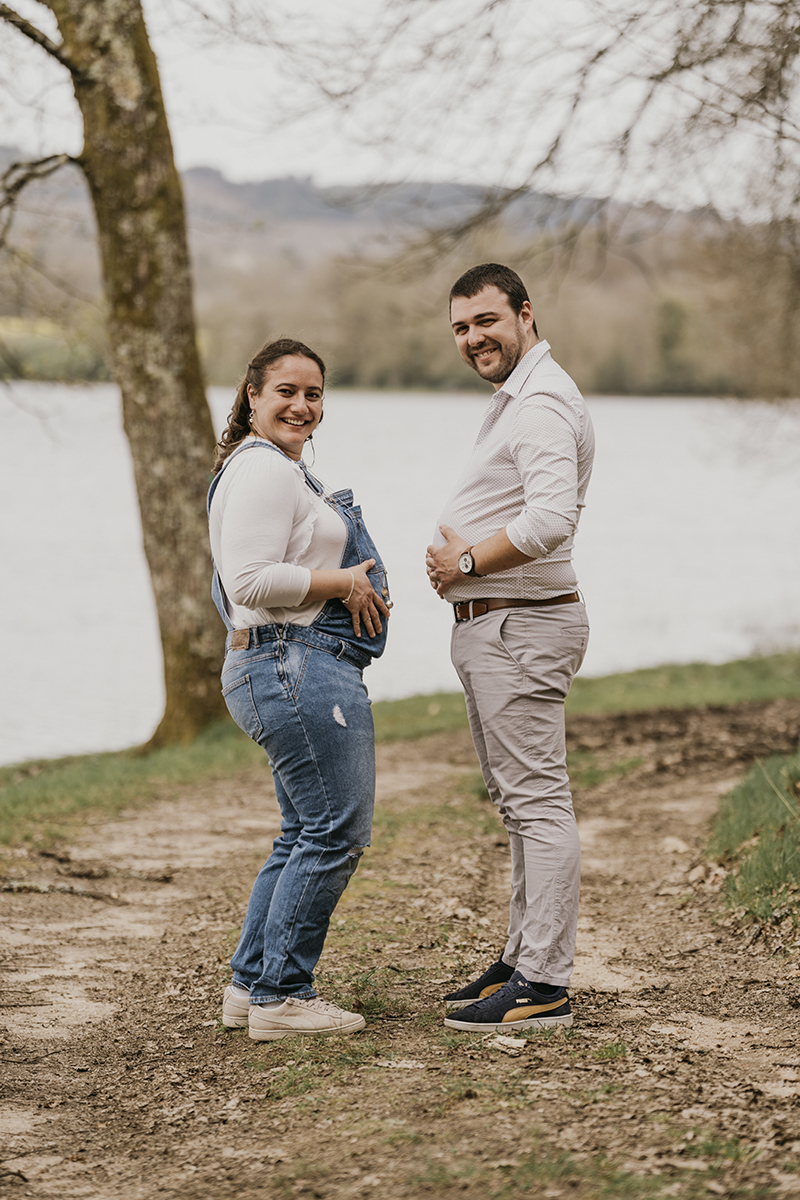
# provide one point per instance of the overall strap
(313, 483)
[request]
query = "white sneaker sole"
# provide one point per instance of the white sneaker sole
(271, 1035)
(232, 1015)
(508, 1026)
(234, 1022)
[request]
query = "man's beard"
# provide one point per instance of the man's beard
(509, 357)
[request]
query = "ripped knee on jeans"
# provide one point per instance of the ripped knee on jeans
(356, 851)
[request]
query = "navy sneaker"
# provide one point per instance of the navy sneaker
(490, 982)
(516, 1005)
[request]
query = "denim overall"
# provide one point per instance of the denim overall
(297, 690)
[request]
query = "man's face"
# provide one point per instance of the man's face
(491, 338)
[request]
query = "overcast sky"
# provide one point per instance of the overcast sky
(455, 94)
(234, 103)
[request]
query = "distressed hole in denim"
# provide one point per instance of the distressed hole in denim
(338, 716)
(356, 851)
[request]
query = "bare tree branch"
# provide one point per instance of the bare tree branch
(28, 262)
(16, 178)
(54, 49)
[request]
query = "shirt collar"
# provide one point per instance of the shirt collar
(518, 377)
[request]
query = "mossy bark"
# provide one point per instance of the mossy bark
(138, 201)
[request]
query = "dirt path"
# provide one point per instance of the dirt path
(680, 1078)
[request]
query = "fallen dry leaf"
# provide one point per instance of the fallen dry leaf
(684, 1164)
(401, 1064)
(508, 1045)
(674, 845)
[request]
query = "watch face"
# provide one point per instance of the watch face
(465, 563)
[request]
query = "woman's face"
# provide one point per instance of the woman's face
(288, 408)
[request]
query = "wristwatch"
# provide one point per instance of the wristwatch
(466, 564)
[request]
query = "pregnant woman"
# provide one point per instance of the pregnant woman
(302, 591)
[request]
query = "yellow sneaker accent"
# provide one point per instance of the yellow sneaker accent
(530, 1010)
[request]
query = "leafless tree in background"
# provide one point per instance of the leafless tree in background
(600, 96)
(694, 104)
(128, 164)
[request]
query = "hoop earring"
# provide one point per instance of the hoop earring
(310, 439)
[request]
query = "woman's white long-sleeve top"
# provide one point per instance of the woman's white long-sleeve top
(269, 531)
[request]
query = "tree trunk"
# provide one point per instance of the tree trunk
(138, 201)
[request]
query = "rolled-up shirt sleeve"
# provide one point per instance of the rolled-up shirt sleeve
(544, 447)
(259, 515)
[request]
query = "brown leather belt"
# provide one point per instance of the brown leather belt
(468, 609)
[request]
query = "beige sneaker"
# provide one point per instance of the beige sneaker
(301, 1016)
(235, 1010)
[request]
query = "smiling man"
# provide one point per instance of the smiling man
(502, 558)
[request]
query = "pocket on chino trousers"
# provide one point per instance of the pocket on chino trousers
(547, 651)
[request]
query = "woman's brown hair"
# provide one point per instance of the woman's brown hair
(255, 377)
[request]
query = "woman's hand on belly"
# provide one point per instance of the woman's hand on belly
(353, 588)
(364, 604)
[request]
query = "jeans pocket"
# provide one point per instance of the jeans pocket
(238, 697)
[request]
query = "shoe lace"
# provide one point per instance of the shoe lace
(507, 989)
(319, 1005)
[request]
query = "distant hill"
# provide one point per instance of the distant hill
(209, 193)
(211, 197)
(635, 304)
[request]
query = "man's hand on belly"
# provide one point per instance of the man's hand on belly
(497, 553)
(441, 562)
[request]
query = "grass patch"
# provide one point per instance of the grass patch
(417, 716)
(611, 1050)
(55, 791)
(368, 992)
(461, 808)
(404, 1137)
(529, 1173)
(566, 1038)
(730, 1149)
(295, 1066)
(757, 835)
(584, 771)
(764, 678)
(40, 799)
(604, 1177)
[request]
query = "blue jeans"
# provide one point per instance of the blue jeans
(310, 711)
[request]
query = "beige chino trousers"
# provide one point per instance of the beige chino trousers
(516, 666)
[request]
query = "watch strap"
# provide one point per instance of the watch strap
(473, 573)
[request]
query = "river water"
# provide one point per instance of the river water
(688, 550)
